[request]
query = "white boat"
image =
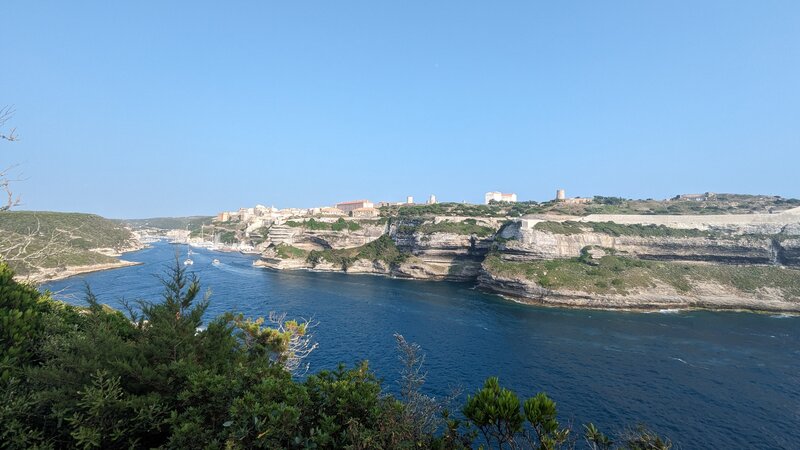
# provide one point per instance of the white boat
(215, 262)
(188, 261)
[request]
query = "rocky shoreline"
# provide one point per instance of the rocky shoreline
(46, 275)
(709, 296)
(43, 275)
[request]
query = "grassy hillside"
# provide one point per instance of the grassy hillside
(38, 239)
(169, 223)
(286, 251)
(619, 275)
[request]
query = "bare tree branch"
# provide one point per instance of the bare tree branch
(5, 185)
(285, 342)
(300, 344)
(422, 412)
(30, 249)
(6, 113)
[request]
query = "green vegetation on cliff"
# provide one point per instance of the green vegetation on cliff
(467, 227)
(613, 274)
(87, 230)
(34, 239)
(286, 251)
(339, 225)
(566, 228)
(705, 205)
(616, 229)
(382, 249)
(228, 237)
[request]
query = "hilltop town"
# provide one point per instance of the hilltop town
(256, 228)
(249, 229)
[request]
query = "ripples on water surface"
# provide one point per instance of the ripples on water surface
(706, 379)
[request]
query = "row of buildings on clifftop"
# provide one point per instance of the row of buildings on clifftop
(561, 197)
(364, 209)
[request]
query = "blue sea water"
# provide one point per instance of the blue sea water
(705, 379)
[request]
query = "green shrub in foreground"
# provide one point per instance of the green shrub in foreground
(95, 378)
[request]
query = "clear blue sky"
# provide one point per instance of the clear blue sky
(151, 108)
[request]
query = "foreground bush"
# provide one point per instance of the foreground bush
(95, 378)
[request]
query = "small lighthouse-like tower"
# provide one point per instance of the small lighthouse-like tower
(560, 195)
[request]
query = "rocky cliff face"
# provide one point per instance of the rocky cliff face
(530, 244)
(320, 240)
(521, 243)
(452, 252)
(658, 296)
(439, 255)
(323, 239)
(430, 255)
(788, 252)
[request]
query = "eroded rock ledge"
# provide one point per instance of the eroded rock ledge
(717, 266)
(658, 296)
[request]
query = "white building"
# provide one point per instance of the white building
(409, 200)
(263, 211)
(432, 200)
(349, 206)
(499, 197)
(245, 214)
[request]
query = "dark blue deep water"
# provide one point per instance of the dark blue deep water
(706, 379)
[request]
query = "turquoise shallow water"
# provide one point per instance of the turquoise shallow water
(706, 379)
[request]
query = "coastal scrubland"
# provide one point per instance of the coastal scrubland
(466, 227)
(616, 229)
(716, 204)
(338, 225)
(287, 251)
(34, 240)
(613, 274)
(158, 376)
